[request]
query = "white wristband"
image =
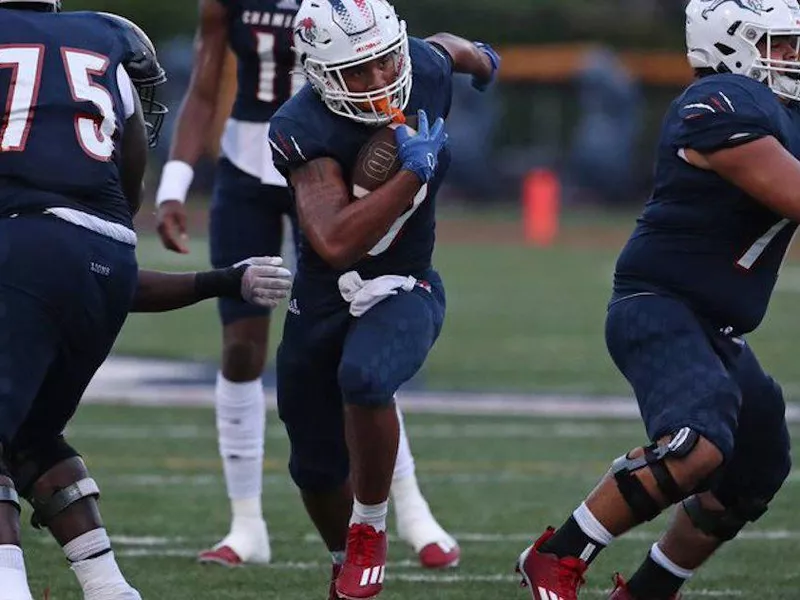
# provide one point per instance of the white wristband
(176, 178)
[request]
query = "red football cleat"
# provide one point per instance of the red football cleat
(440, 555)
(224, 556)
(364, 565)
(621, 590)
(335, 570)
(547, 576)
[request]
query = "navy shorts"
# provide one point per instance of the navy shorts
(65, 292)
(685, 373)
(327, 357)
(246, 219)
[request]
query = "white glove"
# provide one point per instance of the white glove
(265, 282)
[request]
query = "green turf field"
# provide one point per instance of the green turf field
(492, 481)
(519, 318)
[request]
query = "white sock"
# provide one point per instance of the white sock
(86, 545)
(415, 522)
(241, 421)
(409, 503)
(404, 463)
(591, 526)
(101, 579)
(12, 574)
(661, 559)
(370, 514)
(246, 508)
(248, 528)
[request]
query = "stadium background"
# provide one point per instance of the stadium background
(519, 408)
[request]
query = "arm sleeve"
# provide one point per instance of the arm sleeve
(721, 115)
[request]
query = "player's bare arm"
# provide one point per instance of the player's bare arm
(200, 104)
(339, 230)
(259, 280)
(763, 169)
(478, 60)
(194, 120)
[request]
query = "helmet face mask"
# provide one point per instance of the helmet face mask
(738, 36)
(782, 76)
(146, 74)
(334, 37)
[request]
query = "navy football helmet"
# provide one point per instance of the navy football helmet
(145, 72)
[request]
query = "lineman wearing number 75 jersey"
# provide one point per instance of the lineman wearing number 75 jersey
(696, 275)
(249, 203)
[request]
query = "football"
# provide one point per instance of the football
(377, 160)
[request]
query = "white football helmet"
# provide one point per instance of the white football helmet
(333, 35)
(722, 35)
(55, 5)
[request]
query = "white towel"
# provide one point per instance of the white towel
(363, 295)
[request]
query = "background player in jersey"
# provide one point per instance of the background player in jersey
(696, 274)
(68, 273)
(341, 361)
(249, 202)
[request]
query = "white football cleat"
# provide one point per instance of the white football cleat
(247, 543)
(435, 548)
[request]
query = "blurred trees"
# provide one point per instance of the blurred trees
(621, 23)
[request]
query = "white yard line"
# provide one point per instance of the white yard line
(150, 382)
(156, 544)
(443, 431)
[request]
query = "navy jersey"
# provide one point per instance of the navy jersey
(260, 34)
(64, 113)
(701, 238)
(304, 129)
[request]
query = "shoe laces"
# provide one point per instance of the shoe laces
(362, 544)
(570, 573)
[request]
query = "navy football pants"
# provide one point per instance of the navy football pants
(65, 292)
(328, 357)
(686, 374)
(246, 219)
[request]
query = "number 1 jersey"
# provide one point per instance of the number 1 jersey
(700, 238)
(66, 98)
(260, 34)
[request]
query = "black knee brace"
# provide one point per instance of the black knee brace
(644, 506)
(8, 495)
(724, 524)
(27, 465)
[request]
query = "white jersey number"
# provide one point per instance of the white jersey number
(268, 71)
(95, 134)
(26, 71)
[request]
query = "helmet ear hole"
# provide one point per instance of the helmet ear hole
(724, 49)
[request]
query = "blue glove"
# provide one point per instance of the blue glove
(419, 153)
(479, 83)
